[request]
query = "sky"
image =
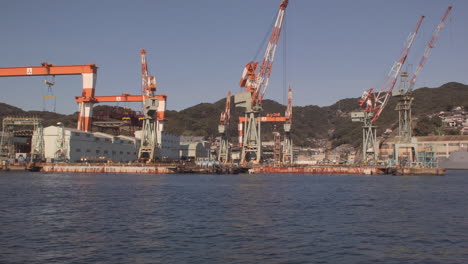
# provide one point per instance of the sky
(329, 49)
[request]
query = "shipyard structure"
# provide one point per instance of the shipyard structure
(148, 143)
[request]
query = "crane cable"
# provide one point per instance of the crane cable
(50, 93)
(265, 38)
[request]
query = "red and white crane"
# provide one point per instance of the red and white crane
(153, 109)
(374, 103)
(428, 49)
(406, 98)
(255, 81)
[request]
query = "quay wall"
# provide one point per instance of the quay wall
(321, 170)
(104, 168)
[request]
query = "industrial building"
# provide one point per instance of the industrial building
(440, 146)
(194, 147)
(168, 145)
(68, 144)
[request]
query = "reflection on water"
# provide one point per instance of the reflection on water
(123, 218)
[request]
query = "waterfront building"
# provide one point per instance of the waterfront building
(194, 150)
(72, 145)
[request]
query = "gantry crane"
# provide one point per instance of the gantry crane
(407, 85)
(287, 153)
(154, 107)
(88, 72)
(255, 81)
(223, 149)
(374, 103)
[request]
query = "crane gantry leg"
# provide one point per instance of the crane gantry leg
(223, 151)
(369, 140)
(85, 108)
(149, 133)
(288, 145)
(369, 135)
(252, 145)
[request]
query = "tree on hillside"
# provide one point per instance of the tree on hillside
(427, 126)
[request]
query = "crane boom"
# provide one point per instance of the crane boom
(428, 49)
(255, 81)
(148, 83)
(226, 115)
(381, 99)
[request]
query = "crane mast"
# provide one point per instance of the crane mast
(223, 149)
(374, 104)
(288, 144)
(255, 81)
(151, 129)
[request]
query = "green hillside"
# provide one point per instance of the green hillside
(312, 125)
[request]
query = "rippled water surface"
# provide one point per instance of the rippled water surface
(128, 218)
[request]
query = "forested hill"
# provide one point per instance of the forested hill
(312, 124)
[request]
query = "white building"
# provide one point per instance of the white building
(73, 145)
(194, 147)
(169, 146)
(193, 150)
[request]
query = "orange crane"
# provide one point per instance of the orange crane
(88, 72)
(154, 108)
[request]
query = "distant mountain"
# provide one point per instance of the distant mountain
(312, 125)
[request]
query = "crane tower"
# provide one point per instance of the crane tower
(151, 105)
(223, 151)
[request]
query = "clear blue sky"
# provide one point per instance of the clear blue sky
(197, 49)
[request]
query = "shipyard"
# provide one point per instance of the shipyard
(97, 145)
(207, 132)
